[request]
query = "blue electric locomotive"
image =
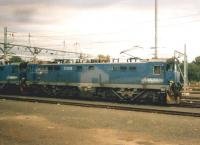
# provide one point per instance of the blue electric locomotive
(153, 80)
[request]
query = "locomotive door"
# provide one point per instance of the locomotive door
(22, 76)
(23, 71)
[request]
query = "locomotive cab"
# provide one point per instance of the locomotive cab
(165, 75)
(172, 78)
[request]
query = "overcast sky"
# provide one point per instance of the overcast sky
(104, 26)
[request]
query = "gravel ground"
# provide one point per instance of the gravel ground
(26, 123)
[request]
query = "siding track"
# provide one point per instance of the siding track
(181, 111)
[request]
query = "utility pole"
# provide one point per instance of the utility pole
(185, 69)
(5, 43)
(5, 38)
(29, 39)
(156, 20)
(64, 45)
(33, 50)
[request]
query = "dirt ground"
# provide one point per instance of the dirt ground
(25, 123)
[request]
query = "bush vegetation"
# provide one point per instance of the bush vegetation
(194, 70)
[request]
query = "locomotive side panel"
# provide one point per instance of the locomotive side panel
(9, 74)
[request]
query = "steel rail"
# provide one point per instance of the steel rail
(97, 105)
(190, 102)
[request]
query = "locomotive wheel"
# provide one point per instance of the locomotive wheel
(1, 87)
(23, 90)
(50, 91)
(162, 99)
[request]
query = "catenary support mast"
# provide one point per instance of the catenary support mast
(185, 69)
(156, 39)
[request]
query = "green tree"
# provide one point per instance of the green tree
(104, 58)
(197, 60)
(194, 70)
(15, 59)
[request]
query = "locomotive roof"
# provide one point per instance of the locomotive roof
(158, 60)
(145, 61)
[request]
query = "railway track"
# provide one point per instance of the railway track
(191, 101)
(191, 97)
(194, 112)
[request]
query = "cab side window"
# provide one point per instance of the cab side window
(170, 67)
(1, 68)
(15, 69)
(90, 67)
(157, 70)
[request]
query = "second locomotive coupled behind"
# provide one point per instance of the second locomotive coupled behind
(155, 80)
